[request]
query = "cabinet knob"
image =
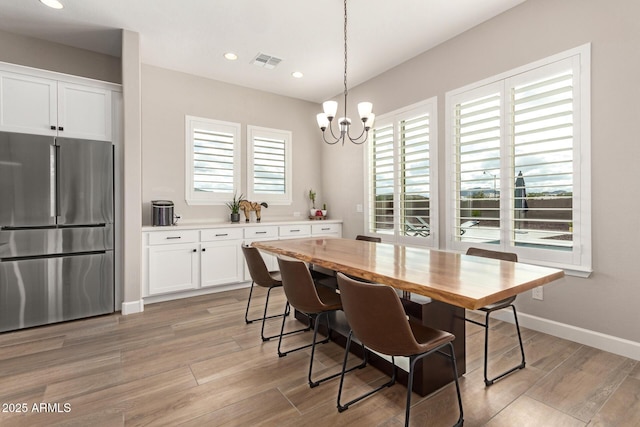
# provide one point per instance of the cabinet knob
(195, 250)
(60, 128)
(204, 249)
(53, 127)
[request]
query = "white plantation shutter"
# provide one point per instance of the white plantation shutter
(401, 175)
(213, 160)
(477, 164)
(519, 167)
(415, 176)
(382, 172)
(543, 124)
(269, 165)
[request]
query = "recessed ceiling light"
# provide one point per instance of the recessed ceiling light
(54, 4)
(297, 74)
(230, 56)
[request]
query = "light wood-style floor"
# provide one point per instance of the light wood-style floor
(195, 362)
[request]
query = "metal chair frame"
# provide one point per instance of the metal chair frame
(316, 320)
(495, 307)
(485, 325)
(266, 306)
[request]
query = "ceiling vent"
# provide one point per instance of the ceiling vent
(266, 61)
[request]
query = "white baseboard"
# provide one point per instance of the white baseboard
(620, 346)
(132, 307)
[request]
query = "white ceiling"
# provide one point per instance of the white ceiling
(192, 35)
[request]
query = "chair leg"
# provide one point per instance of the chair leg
(344, 369)
(341, 407)
(246, 313)
(282, 333)
(265, 317)
(522, 364)
(412, 363)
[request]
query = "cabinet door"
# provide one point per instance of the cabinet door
(84, 112)
(28, 104)
(221, 263)
(173, 268)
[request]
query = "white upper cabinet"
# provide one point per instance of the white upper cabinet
(84, 112)
(42, 106)
(28, 104)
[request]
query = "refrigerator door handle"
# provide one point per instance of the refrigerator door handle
(53, 180)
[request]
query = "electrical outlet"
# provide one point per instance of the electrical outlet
(537, 293)
(296, 214)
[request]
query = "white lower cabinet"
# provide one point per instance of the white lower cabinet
(173, 268)
(181, 260)
(221, 257)
(172, 261)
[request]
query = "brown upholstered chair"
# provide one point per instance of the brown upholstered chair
(261, 276)
(377, 318)
(315, 301)
(505, 303)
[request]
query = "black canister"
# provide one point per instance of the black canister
(162, 212)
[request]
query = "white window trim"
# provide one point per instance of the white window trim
(580, 261)
(201, 198)
(427, 106)
(257, 131)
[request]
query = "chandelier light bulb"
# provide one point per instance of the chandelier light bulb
(364, 110)
(330, 109)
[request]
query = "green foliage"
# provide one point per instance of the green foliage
(234, 205)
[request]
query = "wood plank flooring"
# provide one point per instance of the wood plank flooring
(194, 362)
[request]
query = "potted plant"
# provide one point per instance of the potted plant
(324, 209)
(234, 205)
(312, 197)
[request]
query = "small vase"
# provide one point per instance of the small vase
(235, 217)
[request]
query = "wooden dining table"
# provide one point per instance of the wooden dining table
(452, 282)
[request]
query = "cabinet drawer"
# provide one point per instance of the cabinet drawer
(260, 232)
(221, 234)
(172, 237)
(324, 229)
(295, 230)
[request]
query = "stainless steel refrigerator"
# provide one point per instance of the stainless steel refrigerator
(56, 230)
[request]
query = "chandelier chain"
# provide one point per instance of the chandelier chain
(345, 49)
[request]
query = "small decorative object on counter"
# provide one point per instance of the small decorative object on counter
(234, 205)
(248, 206)
(312, 197)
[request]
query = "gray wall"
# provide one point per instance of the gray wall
(608, 301)
(167, 96)
(46, 55)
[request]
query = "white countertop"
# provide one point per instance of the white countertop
(218, 224)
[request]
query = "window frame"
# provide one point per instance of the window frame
(394, 118)
(578, 261)
(263, 132)
(193, 197)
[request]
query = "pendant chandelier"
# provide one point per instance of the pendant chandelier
(344, 123)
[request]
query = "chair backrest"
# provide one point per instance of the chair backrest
(299, 287)
(377, 317)
(369, 238)
(485, 253)
(257, 268)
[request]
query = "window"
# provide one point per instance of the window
(269, 165)
(402, 177)
(518, 149)
(213, 160)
